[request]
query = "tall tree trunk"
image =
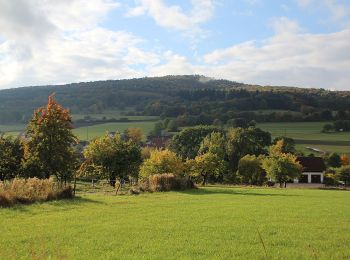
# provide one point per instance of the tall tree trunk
(75, 182)
(204, 180)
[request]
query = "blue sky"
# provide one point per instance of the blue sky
(302, 43)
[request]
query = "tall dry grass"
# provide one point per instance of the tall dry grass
(31, 190)
(166, 182)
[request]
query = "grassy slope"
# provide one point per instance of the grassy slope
(210, 222)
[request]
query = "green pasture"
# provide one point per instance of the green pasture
(89, 132)
(207, 223)
(304, 131)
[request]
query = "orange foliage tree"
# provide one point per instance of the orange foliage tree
(49, 143)
(344, 160)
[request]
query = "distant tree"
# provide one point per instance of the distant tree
(327, 128)
(187, 142)
(157, 129)
(215, 143)
(207, 165)
(134, 134)
(343, 174)
(282, 168)
(241, 142)
(11, 155)
(160, 162)
(334, 160)
(288, 145)
(172, 126)
(49, 149)
(114, 157)
(217, 122)
(249, 168)
(327, 115)
(344, 160)
(238, 122)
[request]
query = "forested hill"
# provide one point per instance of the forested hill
(174, 96)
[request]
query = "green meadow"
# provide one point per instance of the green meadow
(89, 132)
(308, 134)
(212, 222)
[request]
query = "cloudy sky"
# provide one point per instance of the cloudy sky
(270, 42)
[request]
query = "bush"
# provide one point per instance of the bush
(31, 190)
(165, 182)
(270, 183)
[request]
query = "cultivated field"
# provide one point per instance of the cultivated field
(214, 222)
(309, 134)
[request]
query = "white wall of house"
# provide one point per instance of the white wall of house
(309, 174)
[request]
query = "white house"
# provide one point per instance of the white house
(313, 170)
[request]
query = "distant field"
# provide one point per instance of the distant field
(12, 128)
(87, 133)
(308, 134)
(303, 131)
(208, 223)
(325, 148)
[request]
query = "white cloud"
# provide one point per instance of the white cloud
(51, 42)
(61, 42)
(293, 58)
(173, 16)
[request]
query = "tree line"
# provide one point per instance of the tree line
(199, 154)
(189, 99)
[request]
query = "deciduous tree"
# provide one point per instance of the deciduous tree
(49, 146)
(116, 157)
(249, 168)
(160, 162)
(11, 155)
(207, 165)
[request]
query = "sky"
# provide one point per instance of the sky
(303, 43)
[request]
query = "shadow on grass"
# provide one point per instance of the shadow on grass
(63, 203)
(232, 191)
(334, 189)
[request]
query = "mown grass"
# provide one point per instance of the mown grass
(214, 222)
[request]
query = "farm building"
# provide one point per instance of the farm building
(159, 142)
(313, 170)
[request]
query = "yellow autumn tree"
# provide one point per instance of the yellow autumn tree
(160, 162)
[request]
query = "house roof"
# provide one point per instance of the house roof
(312, 164)
(158, 142)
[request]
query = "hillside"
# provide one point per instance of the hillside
(198, 98)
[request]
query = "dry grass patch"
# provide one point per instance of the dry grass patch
(31, 190)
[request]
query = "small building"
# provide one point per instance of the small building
(313, 170)
(159, 142)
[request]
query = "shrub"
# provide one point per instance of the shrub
(165, 182)
(30, 190)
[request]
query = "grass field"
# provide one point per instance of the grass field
(306, 133)
(87, 133)
(214, 223)
(310, 131)
(303, 131)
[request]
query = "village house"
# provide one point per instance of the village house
(313, 170)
